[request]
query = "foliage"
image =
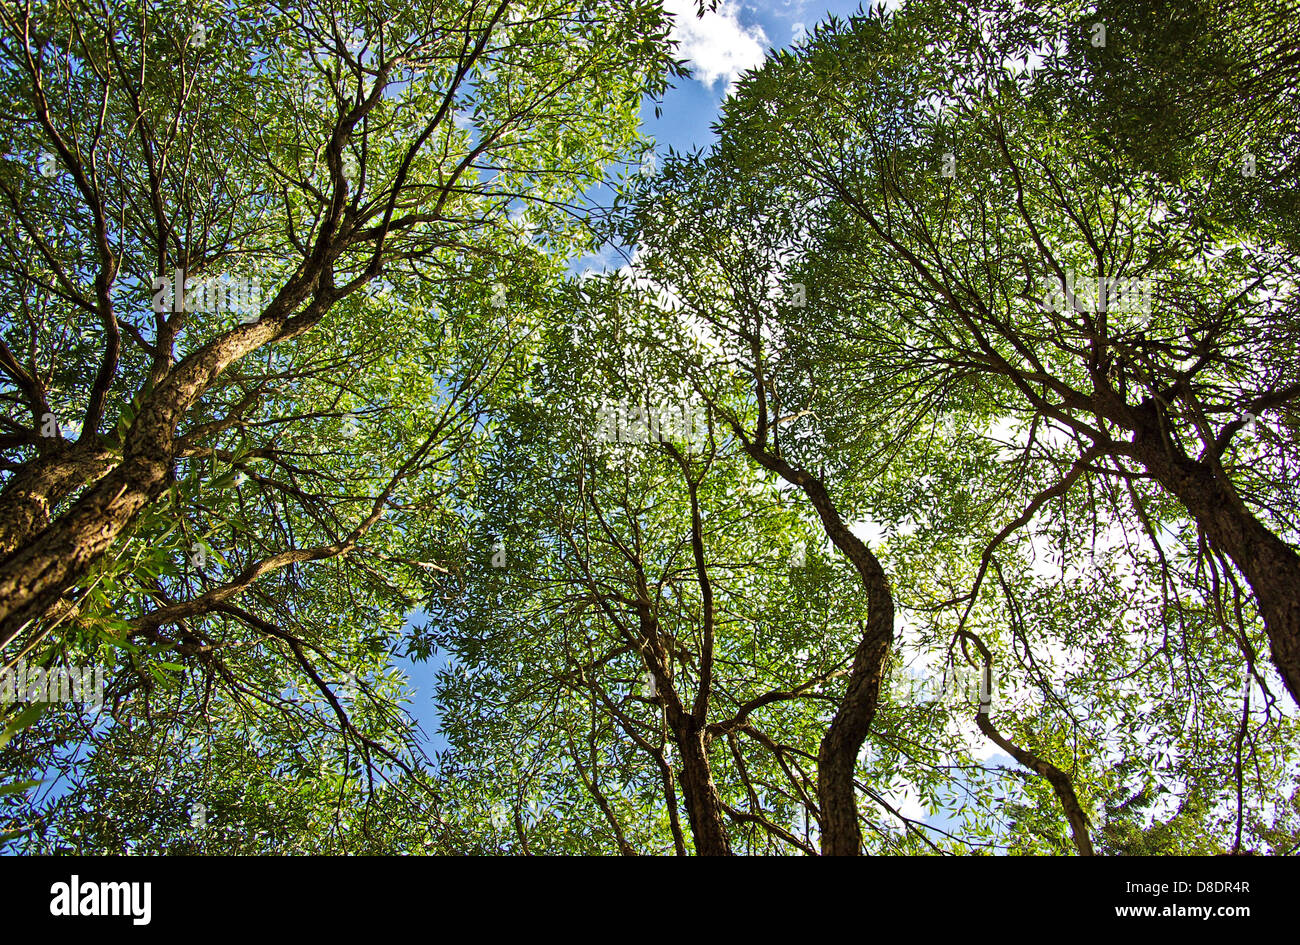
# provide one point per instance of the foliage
(681, 542)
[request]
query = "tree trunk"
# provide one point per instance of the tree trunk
(837, 757)
(39, 486)
(33, 578)
(1269, 564)
(700, 794)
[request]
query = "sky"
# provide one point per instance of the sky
(720, 47)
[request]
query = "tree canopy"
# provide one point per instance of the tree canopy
(921, 480)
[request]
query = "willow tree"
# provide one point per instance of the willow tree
(657, 657)
(261, 266)
(1206, 95)
(893, 240)
(1027, 258)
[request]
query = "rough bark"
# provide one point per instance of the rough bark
(34, 577)
(40, 485)
(700, 793)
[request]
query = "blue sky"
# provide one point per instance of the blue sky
(720, 47)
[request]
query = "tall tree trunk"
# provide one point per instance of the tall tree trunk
(33, 577)
(1269, 564)
(700, 793)
(40, 485)
(837, 756)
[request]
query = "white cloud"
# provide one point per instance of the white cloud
(788, 8)
(717, 45)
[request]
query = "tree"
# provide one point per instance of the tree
(1203, 95)
(210, 452)
(984, 266)
(921, 482)
(359, 188)
(874, 301)
(637, 607)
